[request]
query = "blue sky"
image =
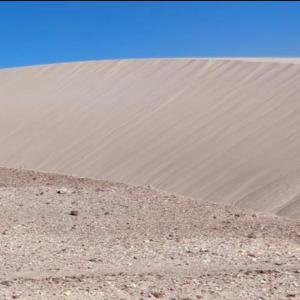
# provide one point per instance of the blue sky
(39, 33)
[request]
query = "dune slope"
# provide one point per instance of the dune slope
(220, 130)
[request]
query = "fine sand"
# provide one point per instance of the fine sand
(69, 238)
(222, 130)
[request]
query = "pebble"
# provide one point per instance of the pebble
(74, 212)
(62, 191)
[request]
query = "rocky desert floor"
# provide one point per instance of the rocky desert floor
(72, 238)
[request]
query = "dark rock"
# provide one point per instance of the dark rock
(74, 212)
(251, 254)
(6, 283)
(251, 235)
(158, 294)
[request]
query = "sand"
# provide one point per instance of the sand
(199, 196)
(70, 238)
(221, 130)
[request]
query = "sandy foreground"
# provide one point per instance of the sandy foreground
(70, 238)
(220, 130)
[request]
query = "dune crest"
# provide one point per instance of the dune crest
(215, 129)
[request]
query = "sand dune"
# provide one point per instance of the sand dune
(224, 130)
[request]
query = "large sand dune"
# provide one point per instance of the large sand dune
(217, 129)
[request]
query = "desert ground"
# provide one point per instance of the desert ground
(70, 238)
(152, 178)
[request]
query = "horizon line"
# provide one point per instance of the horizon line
(266, 59)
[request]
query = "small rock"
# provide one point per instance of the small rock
(55, 280)
(5, 282)
(251, 254)
(158, 294)
(171, 235)
(62, 191)
(251, 235)
(226, 222)
(74, 212)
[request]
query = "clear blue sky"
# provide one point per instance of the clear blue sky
(38, 33)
